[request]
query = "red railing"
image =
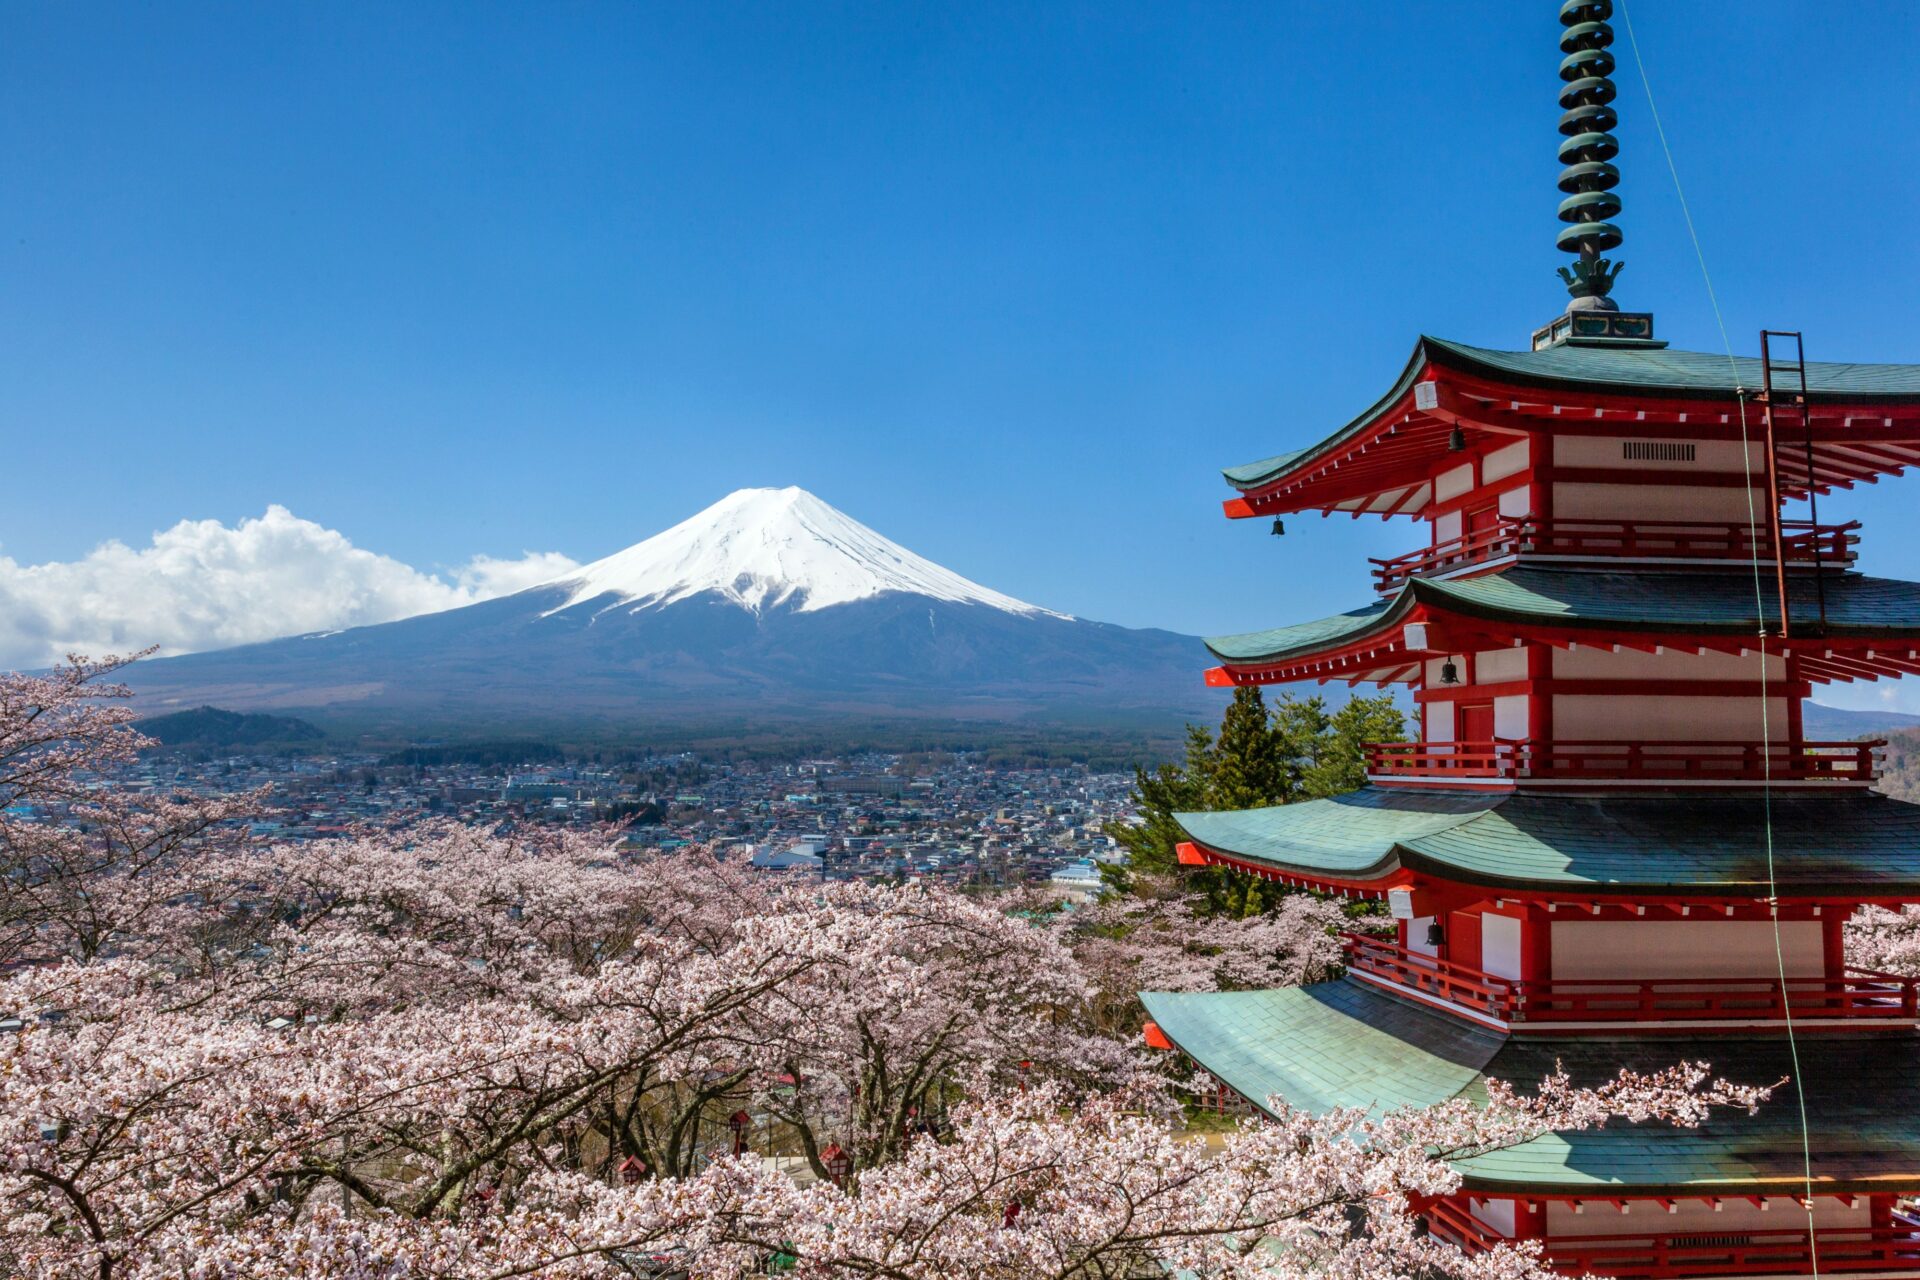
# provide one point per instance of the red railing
(1455, 983)
(1804, 544)
(1507, 538)
(1454, 1224)
(1743, 1253)
(1526, 760)
(1858, 993)
(1698, 1253)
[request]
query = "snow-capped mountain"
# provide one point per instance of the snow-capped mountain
(762, 548)
(770, 604)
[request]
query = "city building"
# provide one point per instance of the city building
(1611, 846)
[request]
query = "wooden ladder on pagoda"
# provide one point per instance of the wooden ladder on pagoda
(1783, 397)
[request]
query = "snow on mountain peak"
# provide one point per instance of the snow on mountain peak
(761, 548)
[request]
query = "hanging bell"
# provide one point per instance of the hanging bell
(1279, 527)
(1456, 441)
(1436, 936)
(1449, 672)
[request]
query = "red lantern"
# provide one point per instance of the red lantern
(737, 1123)
(839, 1164)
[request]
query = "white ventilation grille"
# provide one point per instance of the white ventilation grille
(1655, 451)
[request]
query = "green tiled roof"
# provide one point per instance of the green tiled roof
(1693, 602)
(1698, 844)
(1863, 1108)
(1333, 1044)
(1304, 637)
(1659, 371)
(1666, 370)
(1257, 473)
(1346, 1044)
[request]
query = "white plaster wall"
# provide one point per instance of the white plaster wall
(1694, 948)
(1517, 501)
(1630, 664)
(1500, 945)
(1417, 936)
(1504, 461)
(1440, 722)
(1621, 717)
(1604, 451)
(1718, 503)
(1451, 484)
(1447, 527)
(1736, 1215)
(1510, 716)
(1498, 1214)
(1495, 666)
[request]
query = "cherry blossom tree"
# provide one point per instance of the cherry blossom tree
(1159, 938)
(426, 1052)
(862, 1052)
(1041, 1183)
(1885, 941)
(104, 868)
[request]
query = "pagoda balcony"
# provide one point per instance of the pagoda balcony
(1861, 995)
(1662, 542)
(1530, 762)
(1665, 1255)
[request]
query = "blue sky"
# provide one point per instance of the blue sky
(1008, 283)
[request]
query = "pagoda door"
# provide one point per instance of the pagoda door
(1473, 723)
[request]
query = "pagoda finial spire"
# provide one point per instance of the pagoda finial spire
(1588, 179)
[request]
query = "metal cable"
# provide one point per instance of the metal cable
(1759, 598)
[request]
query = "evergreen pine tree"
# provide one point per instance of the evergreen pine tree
(1340, 765)
(1250, 758)
(1295, 751)
(1170, 789)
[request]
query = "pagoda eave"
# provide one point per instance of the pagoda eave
(1864, 422)
(1863, 1091)
(1413, 873)
(1872, 627)
(1585, 851)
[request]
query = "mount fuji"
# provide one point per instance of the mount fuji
(770, 605)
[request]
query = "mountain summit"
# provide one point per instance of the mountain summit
(769, 606)
(771, 548)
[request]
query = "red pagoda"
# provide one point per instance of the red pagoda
(1612, 845)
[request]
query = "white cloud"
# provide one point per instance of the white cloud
(485, 577)
(202, 585)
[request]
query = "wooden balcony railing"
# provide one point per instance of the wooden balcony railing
(1668, 1256)
(1804, 544)
(1736, 1253)
(1528, 760)
(1454, 983)
(1857, 994)
(1451, 1222)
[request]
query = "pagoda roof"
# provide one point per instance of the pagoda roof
(1346, 1044)
(1692, 603)
(1857, 846)
(1605, 379)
